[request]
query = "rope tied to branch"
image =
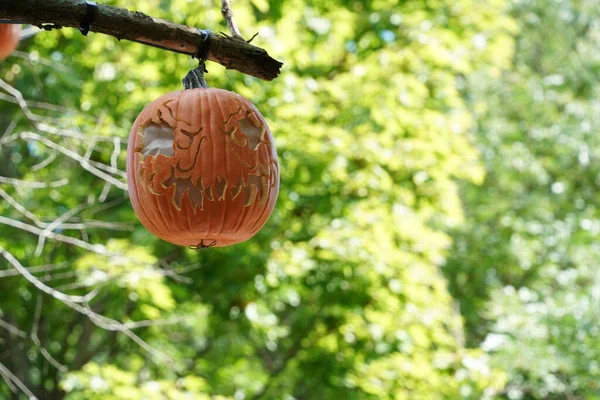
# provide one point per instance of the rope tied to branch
(89, 16)
(204, 45)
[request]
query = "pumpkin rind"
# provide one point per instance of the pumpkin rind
(9, 39)
(219, 179)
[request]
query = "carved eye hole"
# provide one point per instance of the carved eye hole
(251, 131)
(158, 139)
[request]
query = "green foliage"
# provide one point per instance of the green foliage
(351, 290)
(107, 382)
(525, 265)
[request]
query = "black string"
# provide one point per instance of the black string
(204, 46)
(88, 17)
(201, 245)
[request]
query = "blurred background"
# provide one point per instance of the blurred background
(435, 237)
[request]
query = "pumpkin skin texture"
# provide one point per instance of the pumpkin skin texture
(9, 39)
(202, 168)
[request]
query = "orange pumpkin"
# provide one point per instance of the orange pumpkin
(202, 168)
(9, 38)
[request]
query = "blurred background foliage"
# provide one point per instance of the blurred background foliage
(434, 236)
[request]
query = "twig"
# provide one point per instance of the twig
(37, 283)
(44, 106)
(115, 154)
(40, 121)
(155, 322)
(136, 26)
(183, 270)
(31, 58)
(36, 340)
(166, 270)
(96, 248)
(9, 376)
(228, 15)
(105, 206)
(79, 304)
(11, 127)
(20, 208)
(116, 226)
(32, 184)
(43, 164)
(60, 275)
(105, 191)
(35, 269)
(29, 32)
(90, 149)
(12, 329)
(55, 224)
(20, 100)
(6, 378)
(94, 168)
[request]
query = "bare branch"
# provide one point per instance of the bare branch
(41, 105)
(20, 208)
(35, 269)
(106, 206)
(155, 322)
(40, 121)
(11, 127)
(10, 377)
(37, 283)
(115, 154)
(94, 168)
(79, 304)
(43, 164)
(188, 268)
(228, 15)
(115, 226)
(90, 149)
(57, 222)
(6, 378)
(88, 224)
(96, 248)
(59, 275)
(12, 329)
(36, 340)
(32, 184)
(139, 27)
(22, 103)
(35, 58)
(105, 191)
(29, 32)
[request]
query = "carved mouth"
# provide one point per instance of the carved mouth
(255, 187)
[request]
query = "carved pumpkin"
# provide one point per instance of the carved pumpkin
(9, 38)
(202, 168)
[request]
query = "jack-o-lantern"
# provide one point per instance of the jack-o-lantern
(9, 38)
(202, 168)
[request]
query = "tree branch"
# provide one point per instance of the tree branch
(36, 340)
(12, 378)
(141, 28)
(75, 303)
(12, 329)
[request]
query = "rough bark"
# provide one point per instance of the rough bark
(233, 53)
